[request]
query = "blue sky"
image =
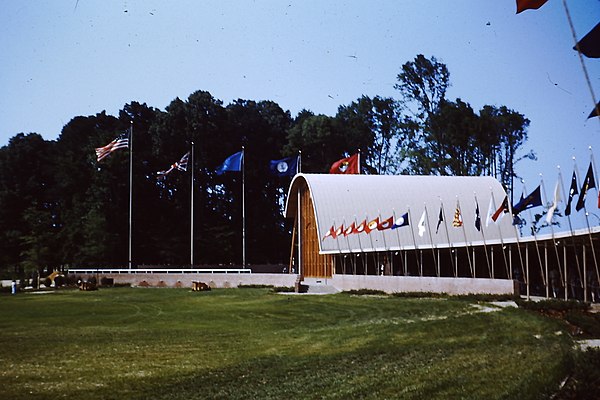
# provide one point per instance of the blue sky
(65, 58)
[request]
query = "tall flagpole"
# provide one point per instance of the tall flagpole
(487, 258)
(299, 164)
(563, 192)
(587, 221)
(595, 173)
(130, 186)
(450, 245)
(465, 236)
(553, 238)
(243, 212)
(410, 222)
(433, 245)
(537, 247)
(507, 264)
(192, 208)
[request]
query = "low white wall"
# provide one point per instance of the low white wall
(220, 280)
(388, 284)
(399, 284)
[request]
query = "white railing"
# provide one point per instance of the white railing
(88, 271)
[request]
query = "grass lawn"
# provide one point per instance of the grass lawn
(135, 343)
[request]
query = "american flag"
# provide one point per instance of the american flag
(122, 142)
(180, 165)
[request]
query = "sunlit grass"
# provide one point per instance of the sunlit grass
(254, 344)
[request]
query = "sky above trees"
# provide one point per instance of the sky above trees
(62, 59)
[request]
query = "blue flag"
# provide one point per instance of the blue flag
(534, 199)
(233, 163)
(284, 167)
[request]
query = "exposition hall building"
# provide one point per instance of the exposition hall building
(451, 234)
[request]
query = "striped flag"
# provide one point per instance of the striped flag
(122, 142)
(457, 222)
(180, 165)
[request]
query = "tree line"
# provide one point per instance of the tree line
(59, 207)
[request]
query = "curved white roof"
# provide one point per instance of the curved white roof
(343, 200)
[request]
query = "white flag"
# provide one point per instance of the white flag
(490, 212)
(557, 199)
(422, 225)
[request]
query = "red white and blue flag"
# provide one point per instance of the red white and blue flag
(180, 165)
(122, 142)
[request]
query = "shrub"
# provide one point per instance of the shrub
(59, 281)
(104, 281)
(584, 383)
(283, 289)
(418, 295)
(553, 305)
(255, 286)
(365, 292)
(588, 323)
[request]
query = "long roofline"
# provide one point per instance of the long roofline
(344, 200)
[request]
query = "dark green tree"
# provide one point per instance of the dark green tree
(374, 122)
(28, 207)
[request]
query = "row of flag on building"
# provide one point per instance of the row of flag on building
(534, 199)
(494, 215)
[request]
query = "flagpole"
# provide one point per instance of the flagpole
(450, 245)
(431, 241)
(595, 173)
(537, 248)
(299, 164)
(130, 186)
(410, 222)
(570, 223)
(466, 243)
(587, 220)
(243, 211)
(507, 267)
(358, 162)
(192, 208)
(553, 239)
(525, 275)
(300, 238)
(487, 258)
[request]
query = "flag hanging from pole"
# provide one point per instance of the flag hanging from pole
(477, 216)
(490, 212)
(285, 167)
(588, 183)
(595, 112)
(401, 221)
(233, 163)
(555, 202)
(180, 165)
(589, 45)
(372, 225)
(572, 192)
(121, 142)
(523, 5)
(457, 222)
(503, 209)
(440, 220)
(421, 225)
(348, 165)
(533, 199)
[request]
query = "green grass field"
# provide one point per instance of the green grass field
(128, 343)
